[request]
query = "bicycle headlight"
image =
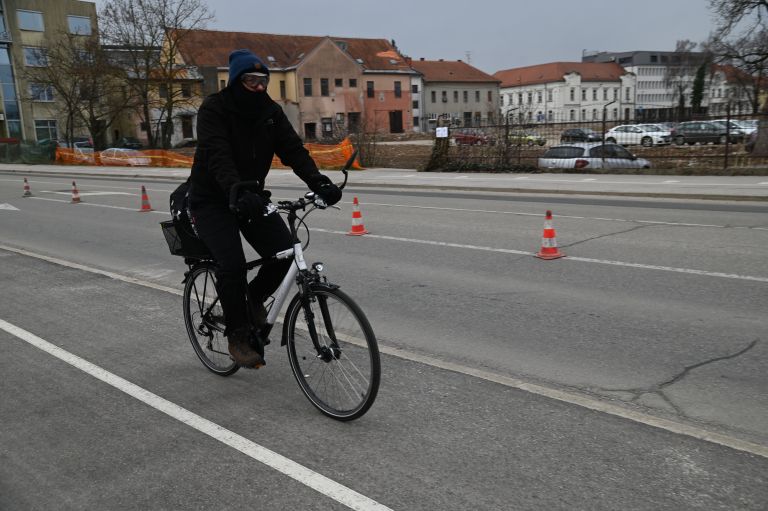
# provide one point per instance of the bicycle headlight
(318, 267)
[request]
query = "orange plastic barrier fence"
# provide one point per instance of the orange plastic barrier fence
(326, 156)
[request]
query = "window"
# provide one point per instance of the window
(415, 89)
(323, 86)
(327, 124)
(338, 82)
(477, 96)
(571, 114)
(398, 90)
(282, 89)
(573, 96)
(549, 116)
(352, 83)
(415, 120)
(35, 57)
(615, 94)
(654, 59)
(605, 94)
(307, 86)
(30, 20)
(490, 96)
(369, 89)
(46, 130)
(186, 92)
(626, 95)
(594, 94)
(538, 97)
(530, 97)
(594, 114)
(222, 84)
(186, 127)
(434, 96)
(466, 96)
(79, 25)
(519, 98)
(415, 104)
(445, 96)
(615, 113)
(455, 96)
(162, 91)
(354, 121)
(583, 94)
(583, 114)
(549, 97)
(40, 92)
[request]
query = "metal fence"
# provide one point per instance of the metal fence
(675, 146)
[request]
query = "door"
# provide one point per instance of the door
(396, 121)
(310, 131)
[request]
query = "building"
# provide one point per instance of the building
(327, 86)
(567, 91)
(729, 88)
(29, 111)
(456, 91)
(662, 77)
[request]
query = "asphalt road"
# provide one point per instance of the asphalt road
(628, 375)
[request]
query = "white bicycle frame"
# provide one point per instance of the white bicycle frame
(297, 253)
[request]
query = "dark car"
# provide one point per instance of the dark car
(702, 132)
(580, 135)
(129, 143)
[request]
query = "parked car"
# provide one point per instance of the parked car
(124, 157)
(736, 132)
(529, 138)
(129, 143)
(749, 125)
(591, 155)
(699, 131)
(472, 137)
(632, 134)
(580, 135)
(187, 142)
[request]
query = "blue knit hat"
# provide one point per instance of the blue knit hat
(244, 61)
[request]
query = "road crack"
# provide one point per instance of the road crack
(635, 228)
(658, 389)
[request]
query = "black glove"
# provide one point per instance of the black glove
(251, 205)
(324, 187)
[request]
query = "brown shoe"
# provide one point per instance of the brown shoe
(242, 351)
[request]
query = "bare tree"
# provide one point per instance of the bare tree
(748, 54)
(148, 33)
(84, 81)
(739, 21)
(679, 74)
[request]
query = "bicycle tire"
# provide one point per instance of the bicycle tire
(204, 319)
(341, 381)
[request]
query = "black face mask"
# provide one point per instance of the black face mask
(249, 102)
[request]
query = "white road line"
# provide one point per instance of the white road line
(83, 194)
(300, 473)
(569, 258)
(99, 205)
(670, 181)
(552, 393)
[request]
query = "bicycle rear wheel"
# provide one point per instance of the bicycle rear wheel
(333, 353)
(204, 318)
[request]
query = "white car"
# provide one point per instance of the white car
(124, 157)
(633, 134)
(591, 155)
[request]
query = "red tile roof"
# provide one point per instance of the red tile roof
(212, 48)
(554, 72)
(733, 74)
(450, 71)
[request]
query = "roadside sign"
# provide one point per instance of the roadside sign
(442, 132)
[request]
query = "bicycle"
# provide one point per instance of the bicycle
(331, 346)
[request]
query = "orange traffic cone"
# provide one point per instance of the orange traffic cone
(549, 248)
(75, 194)
(358, 229)
(145, 207)
(27, 189)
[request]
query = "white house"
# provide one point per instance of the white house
(567, 91)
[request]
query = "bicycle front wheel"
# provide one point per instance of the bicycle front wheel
(333, 353)
(204, 318)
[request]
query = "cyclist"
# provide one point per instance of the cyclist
(239, 130)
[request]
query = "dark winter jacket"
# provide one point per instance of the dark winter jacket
(234, 146)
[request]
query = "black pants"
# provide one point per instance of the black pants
(220, 231)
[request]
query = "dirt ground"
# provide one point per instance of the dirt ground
(681, 160)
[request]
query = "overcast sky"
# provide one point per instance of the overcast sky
(497, 34)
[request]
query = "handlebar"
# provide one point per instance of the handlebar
(309, 198)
